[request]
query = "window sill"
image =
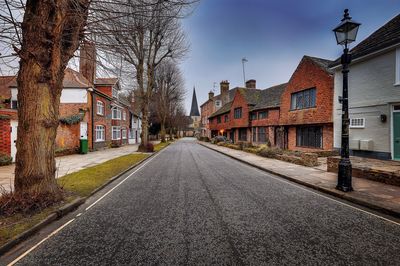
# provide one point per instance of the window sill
(292, 110)
(98, 141)
(397, 84)
(310, 147)
(100, 114)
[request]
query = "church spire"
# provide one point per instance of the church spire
(194, 110)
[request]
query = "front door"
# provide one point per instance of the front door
(396, 135)
(84, 130)
(14, 126)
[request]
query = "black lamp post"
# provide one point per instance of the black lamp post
(345, 32)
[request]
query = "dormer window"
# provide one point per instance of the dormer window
(218, 103)
(114, 93)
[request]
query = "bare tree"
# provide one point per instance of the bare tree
(145, 34)
(168, 93)
(44, 41)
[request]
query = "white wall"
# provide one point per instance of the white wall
(74, 96)
(372, 91)
(67, 95)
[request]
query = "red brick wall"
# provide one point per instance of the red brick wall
(308, 75)
(239, 101)
(68, 135)
(104, 120)
(271, 120)
(214, 125)
(327, 139)
(107, 90)
(5, 136)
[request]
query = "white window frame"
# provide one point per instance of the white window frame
(397, 68)
(124, 115)
(114, 92)
(357, 122)
(100, 107)
(100, 133)
(218, 103)
(117, 114)
(123, 133)
(117, 130)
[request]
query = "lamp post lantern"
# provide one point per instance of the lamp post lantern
(345, 33)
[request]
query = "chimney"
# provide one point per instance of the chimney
(210, 95)
(87, 61)
(251, 84)
(224, 85)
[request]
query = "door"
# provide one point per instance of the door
(396, 135)
(14, 126)
(84, 131)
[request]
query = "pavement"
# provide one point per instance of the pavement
(380, 196)
(70, 163)
(190, 205)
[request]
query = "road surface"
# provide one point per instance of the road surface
(189, 205)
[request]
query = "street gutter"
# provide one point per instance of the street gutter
(66, 209)
(333, 192)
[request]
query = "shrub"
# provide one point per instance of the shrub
(232, 146)
(270, 152)
(251, 150)
(148, 148)
(5, 159)
(244, 144)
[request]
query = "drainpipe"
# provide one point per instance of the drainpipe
(92, 115)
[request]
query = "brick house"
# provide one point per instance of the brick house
(251, 116)
(296, 115)
(89, 109)
(213, 104)
(306, 107)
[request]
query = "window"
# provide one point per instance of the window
(310, 136)
(262, 115)
(218, 103)
(114, 93)
(218, 119)
(100, 108)
(262, 136)
(253, 116)
(14, 104)
(100, 133)
(226, 118)
(303, 99)
(131, 133)
(237, 113)
(243, 134)
(123, 115)
(116, 133)
(116, 113)
(124, 133)
(357, 123)
(254, 134)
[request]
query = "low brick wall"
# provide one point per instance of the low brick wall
(379, 175)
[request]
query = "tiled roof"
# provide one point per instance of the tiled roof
(385, 36)
(259, 99)
(224, 109)
(74, 79)
(323, 63)
(5, 83)
(106, 81)
(270, 97)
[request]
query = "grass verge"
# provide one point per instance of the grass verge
(80, 183)
(161, 145)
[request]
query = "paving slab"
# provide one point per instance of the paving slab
(376, 195)
(70, 163)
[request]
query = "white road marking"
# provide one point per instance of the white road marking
(70, 221)
(38, 244)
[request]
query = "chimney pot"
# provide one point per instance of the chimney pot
(251, 84)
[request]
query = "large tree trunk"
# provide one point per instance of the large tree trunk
(51, 32)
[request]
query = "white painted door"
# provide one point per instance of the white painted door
(14, 126)
(84, 131)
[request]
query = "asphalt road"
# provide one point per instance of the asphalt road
(190, 205)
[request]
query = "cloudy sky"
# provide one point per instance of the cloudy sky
(272, 34)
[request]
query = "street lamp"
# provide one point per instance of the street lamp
(345, 32)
